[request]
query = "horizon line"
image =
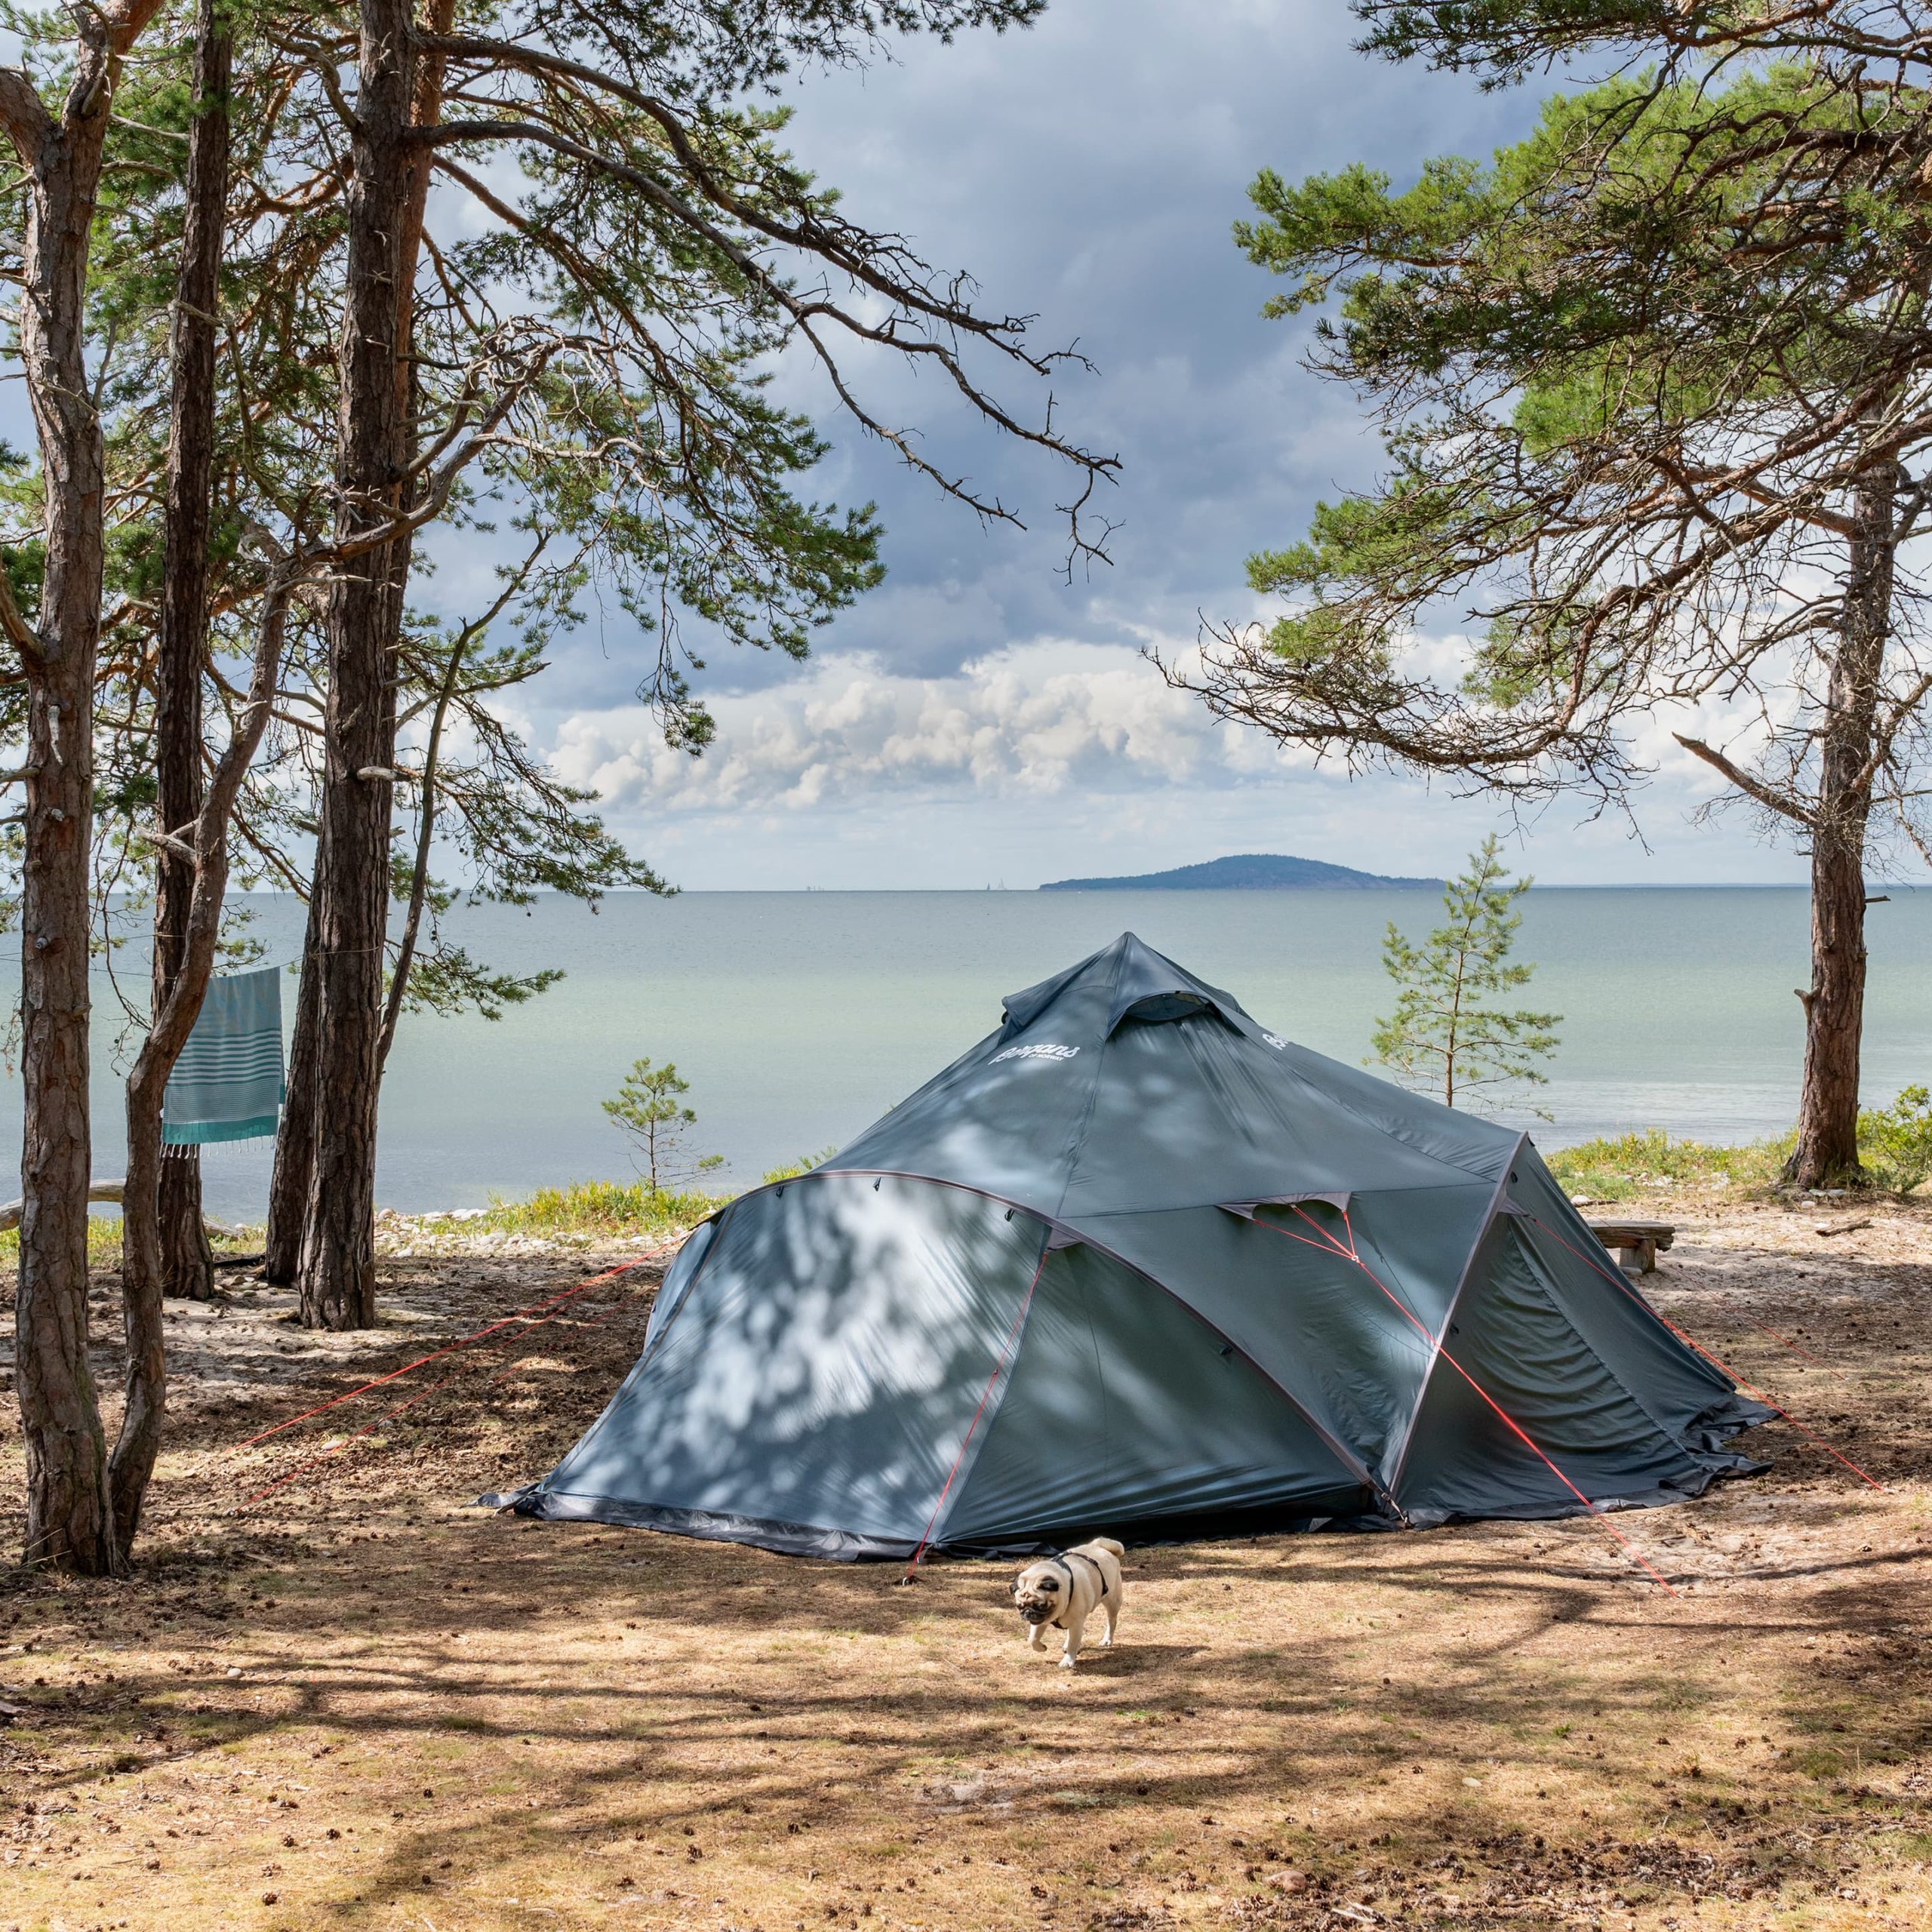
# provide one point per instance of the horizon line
(1170, 892)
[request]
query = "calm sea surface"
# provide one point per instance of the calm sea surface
(799, 1018)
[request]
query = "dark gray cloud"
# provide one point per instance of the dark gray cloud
(1089, 171)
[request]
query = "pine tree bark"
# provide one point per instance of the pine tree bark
(164, 1244)
(295, 1143)
(335, 1275)
(1827, 1151)
(350, 905)
(187, 1257)
(70, 1514)
(165, 1248)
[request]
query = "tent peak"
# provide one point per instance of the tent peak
(1137, 983)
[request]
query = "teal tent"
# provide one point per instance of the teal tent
(1134, 1264)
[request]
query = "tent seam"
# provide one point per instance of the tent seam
(1664, 1329)
(1394, 1133)
(1078, 1140)
(1441, 1338)
(1004, 1373)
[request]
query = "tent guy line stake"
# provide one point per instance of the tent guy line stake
(986, 1395)
(423, 1395)
(1329, 1244)
(1690, 1341)
(515, 1314)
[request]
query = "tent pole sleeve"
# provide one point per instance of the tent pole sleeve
(1455, 1302)
(1007, 1347)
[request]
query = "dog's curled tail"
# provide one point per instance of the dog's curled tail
(1108, 1543)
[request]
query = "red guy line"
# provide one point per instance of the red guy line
(421, 1395)
(1724, 1301)
(1691, 1342)
(515, 1314)
(986, 1394)
(1348, 1253)
(616, 1307)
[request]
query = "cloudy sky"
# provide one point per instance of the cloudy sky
(978, 720)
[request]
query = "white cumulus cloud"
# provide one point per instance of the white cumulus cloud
(1036, 720)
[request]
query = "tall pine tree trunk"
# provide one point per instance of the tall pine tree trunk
(295, 1144)
(164, 1244)
(341, 1064)
(69, 1517)
(335, 1275)
(1826, 1153)
(187, 1259)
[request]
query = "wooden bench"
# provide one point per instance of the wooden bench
(1636, 1242)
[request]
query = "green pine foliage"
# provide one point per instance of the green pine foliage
(1448, 1035)
(649, 1109)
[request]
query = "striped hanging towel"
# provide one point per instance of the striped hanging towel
(228, 1085)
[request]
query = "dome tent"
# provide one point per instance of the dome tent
(1134, 1264)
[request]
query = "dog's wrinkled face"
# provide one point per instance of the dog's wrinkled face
(1039, 1592)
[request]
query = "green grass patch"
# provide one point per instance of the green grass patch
(599, 1206)
(1623, 1166)
(1894, 1146)
(616, 1207)
(104, 1242)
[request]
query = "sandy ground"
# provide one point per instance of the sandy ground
(355, 1701)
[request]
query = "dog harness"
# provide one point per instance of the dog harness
(1062, 1559)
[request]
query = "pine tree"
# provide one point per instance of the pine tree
(1656, 388)
(586, 314)
(1444, 1035)
(648, 1109)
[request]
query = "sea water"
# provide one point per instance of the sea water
(798, 1018)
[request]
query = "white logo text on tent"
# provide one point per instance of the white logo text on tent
(1043, 1051)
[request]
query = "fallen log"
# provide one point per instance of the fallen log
(101, 1190)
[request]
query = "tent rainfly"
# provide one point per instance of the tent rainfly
(1134, 1264)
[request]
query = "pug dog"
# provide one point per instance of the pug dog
(1065, 1590)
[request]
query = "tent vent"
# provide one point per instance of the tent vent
(1154, 1008)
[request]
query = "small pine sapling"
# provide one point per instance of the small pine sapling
(1445, 1036)
(648, 1111)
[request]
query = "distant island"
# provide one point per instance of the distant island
(1255, 871)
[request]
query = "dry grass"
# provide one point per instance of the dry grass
(360, 1703)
